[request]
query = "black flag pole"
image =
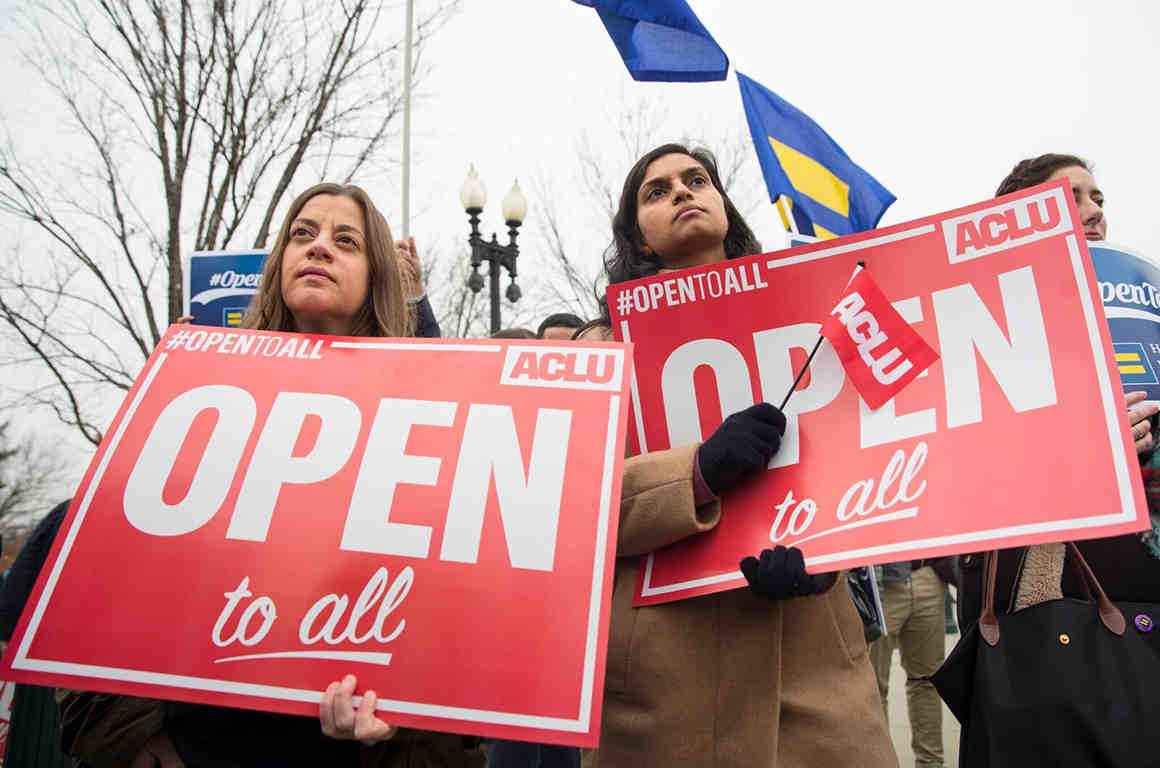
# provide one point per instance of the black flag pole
(801, 373)
(809, 360)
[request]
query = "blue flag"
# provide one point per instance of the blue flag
(829, 195)
(661, 40)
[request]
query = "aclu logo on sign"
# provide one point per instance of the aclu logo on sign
(220, 284)
(563, 368)
(1006, 225)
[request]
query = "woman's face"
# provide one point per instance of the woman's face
(1088, 198)
(324, 265)
(681, 215)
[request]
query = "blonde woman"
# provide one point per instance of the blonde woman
(334, 269)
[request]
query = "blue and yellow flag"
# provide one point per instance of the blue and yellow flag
(661, 40)
(829, 195)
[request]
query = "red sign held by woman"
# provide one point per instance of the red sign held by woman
(271, 511)
(1016, 434)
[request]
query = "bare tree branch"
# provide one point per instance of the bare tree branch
(197, 117)
(33, 476)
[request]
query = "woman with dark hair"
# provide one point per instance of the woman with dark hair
(774, 675)
(630, 257)
(334, 269)
(1123, 564)
(514, 333)
(1088, 197)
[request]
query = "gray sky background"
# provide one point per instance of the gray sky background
(936, 100)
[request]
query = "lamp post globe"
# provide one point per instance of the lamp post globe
(515, 205)
(473, 193)
(499, 257)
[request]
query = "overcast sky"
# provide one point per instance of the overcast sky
(937, 103)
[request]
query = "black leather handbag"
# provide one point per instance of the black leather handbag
(1063, 683)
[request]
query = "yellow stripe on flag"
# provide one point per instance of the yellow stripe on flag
(1132, 369)
(1127, 357)
(812, 178)
(822, 233)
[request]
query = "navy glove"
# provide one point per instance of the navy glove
(781, 573)
(742, 445)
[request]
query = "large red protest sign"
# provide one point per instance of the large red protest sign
(1015, 435)
(270, 512)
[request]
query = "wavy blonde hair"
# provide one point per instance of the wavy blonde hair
(384, 313)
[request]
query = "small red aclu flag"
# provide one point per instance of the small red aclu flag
(879, 350)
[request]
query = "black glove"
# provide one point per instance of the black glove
(742, 445)
(781, 573)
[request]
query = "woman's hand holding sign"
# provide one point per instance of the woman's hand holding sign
(1139, 415)
(340, 719)
(741, 446)
(780, 573)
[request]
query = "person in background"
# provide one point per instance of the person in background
(411, 273)
(514, 333)
(34, 728)
(773, 675)
(561, 326)
(1128, 567)
(914, 600)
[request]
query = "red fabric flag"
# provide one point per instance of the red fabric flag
(879, 350)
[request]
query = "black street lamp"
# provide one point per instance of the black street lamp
(499, 257)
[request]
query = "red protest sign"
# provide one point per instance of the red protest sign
(1016, 435)
(879, 350)
(269, 512)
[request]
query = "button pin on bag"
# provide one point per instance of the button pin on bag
(1064, 639)
(1144, 622)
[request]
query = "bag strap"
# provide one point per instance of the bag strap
(1110, 616)
(988, 622)
(1073, 565)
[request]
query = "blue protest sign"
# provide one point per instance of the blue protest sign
(218, 285)
(1130, 289)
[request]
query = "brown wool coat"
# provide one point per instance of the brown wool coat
(727, 680)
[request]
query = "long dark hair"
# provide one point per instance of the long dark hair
(625, 258)
(1036, 170)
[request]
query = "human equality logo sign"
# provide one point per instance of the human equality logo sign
(270, 512)
(1016, 435)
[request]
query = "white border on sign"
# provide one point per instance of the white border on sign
(579, 724)
(1119, 458)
